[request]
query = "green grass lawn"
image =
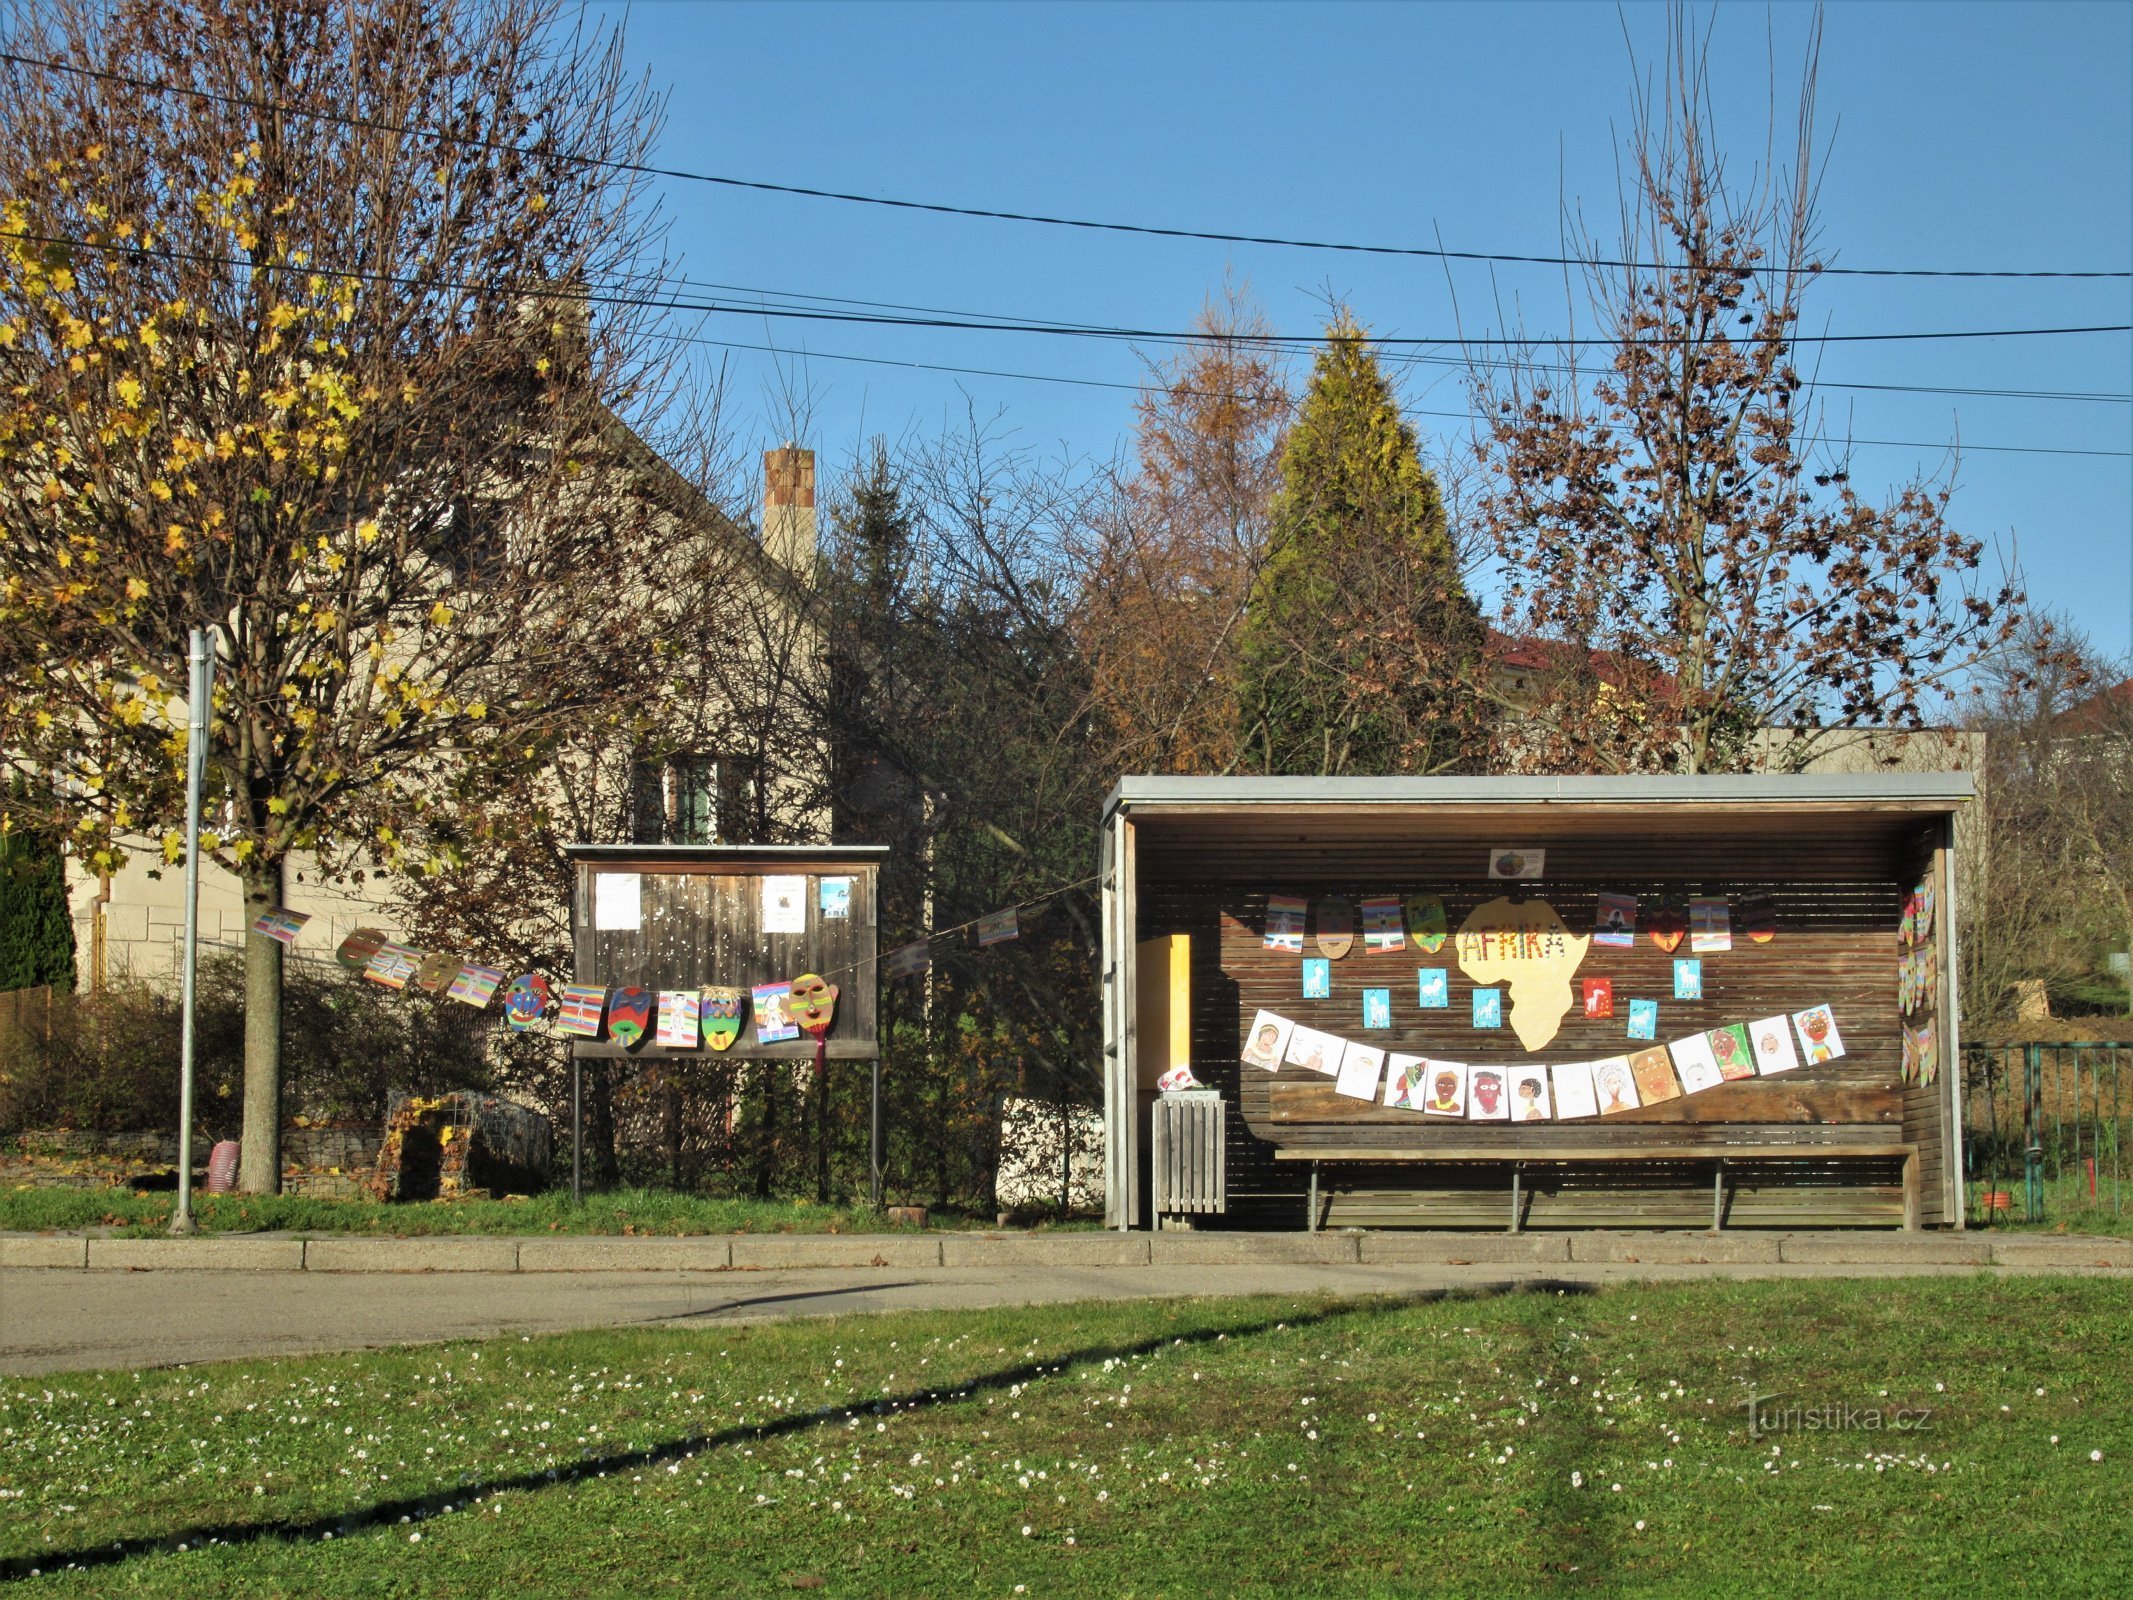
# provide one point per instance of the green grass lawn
(1533, 1442)
(620, 1211)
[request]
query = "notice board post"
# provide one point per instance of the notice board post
(734, 916)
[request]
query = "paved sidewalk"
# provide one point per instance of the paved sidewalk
(266, 1297)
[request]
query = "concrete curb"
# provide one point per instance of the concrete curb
(767, 1252)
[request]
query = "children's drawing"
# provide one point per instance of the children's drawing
(280, 923)
(1382, 927)
(1487, 1095)
(1529, 1094)
(1433, 990)
(1732, 1051)
(629, 1016)
(436, 973)
(1426, 922)
(1317, 978)
(1654, 1075)
(1710, 927)
(768, 1001)
(1269, 1036)
(997, 927)
(1599, 997)
(1336, 927)
(1759, 918)
(526, 1002)
(1694, 1064)
(356, 950)
(1314, 1051)
(1614, 1084)
(1488, 1008)
(1688, 978)
(1614, 921)
(1668, 923)
(1405, 1087)
(681, 1018)
(392, 965)
(1817, 1028)
(1361, 1066)
(1377, 1008)
(1572, 1083)
(475, 986)
(1517, 862)
(721, 1016)
(1285, 923)
(579, 1008)
(1644, 1019)
(1772, 1038)
(1446, 1089)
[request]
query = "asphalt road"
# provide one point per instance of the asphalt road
(59, 1321)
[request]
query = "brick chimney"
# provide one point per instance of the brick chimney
(789, 510)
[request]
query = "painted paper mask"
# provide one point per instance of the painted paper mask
(357, 949)
(436, 973)
(722, 1016)
(1669, 924)
(1426, 923)
(526, 1001)
(1336, 928)
(814, 1003)
(629, 1016)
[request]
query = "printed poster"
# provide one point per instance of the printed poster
(772, 1023)
(1487, 1095)
(997, 927)
(1644, 1019)
(579, 1008)
(1404, 1086)
(1654, 1075)
(833, 898)
(1361, 1067)
(1772, 1038)
(1314, 1051)
(475, 986)
(1688, 978)
(1433, 989)
(1572, 1082)
(1819, 1039)
(618, 901)
(1694, 1064)
(1427, 924)
(680, 1019)
(281, 924)
(784, 903)
(1529, 1094)
(1444, 1089)
(1710, 927)
(1285, 923)
(1731, 1050)
(1377, 1008)
(1614, 921)
(1317, 978)
(1383, 928)
(1266, 1040)
(1614, 1084)
(1516, 862)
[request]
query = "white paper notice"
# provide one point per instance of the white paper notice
(618, 900)
(785, 904)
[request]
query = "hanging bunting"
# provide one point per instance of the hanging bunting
(281, 924)
(1668, 923)
(436, 973)
(1383, 928)
(392, 965)
(1772, 1039)
(1574, 1097)
(721, 1012)
(1285, 923)
(1614, 1085)
(1529, 1094)
(1446, 1085)
(907, 960)
(1404, 1087)
(1695, 1065)
(1486, 1099)
(527, 1001)
(680, 1026)
(1759, 918)
(1361, 1067)
(1614, 921)
(1710, 927)
(1655, 1076)
(1336, 927)
(1732, 1051)
(579, 1008)
(1427, 923)
(1314, 1051)
(629, 1016)
(474, 986)
(1819, 1039)
(772, 1025)
(997, 927)
(357, 949)
(1268, 1038)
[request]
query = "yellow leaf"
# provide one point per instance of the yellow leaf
(367, 530)
(441, 614)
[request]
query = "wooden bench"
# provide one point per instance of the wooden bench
(1844, 1144)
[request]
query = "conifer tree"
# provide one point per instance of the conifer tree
(1360, 644)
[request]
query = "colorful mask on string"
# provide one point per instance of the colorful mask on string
(1668, 924)
(436, 973)
(526, 1001)
(814, 1003)
(1336, 928)
(1759, 918)
(1426, 923)
(629, 1015)
(722, 1016)
(357, 949)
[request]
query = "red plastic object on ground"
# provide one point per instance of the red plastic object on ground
(222, 1167)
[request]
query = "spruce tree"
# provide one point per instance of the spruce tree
(36, 926)
(1360, 644)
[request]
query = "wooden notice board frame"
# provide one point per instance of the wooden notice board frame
(1196, 857)
(700, 923)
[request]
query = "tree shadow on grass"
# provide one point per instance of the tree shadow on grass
(419, 1508)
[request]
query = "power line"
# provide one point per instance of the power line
(939, 208)
(564, 291)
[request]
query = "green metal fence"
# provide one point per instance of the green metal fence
(2045, 1128)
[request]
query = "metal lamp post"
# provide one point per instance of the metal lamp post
(202, 661)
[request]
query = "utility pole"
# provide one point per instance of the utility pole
(201, 689)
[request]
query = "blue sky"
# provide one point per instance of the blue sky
(1976, 136)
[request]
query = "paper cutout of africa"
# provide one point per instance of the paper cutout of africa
(1526, 947)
